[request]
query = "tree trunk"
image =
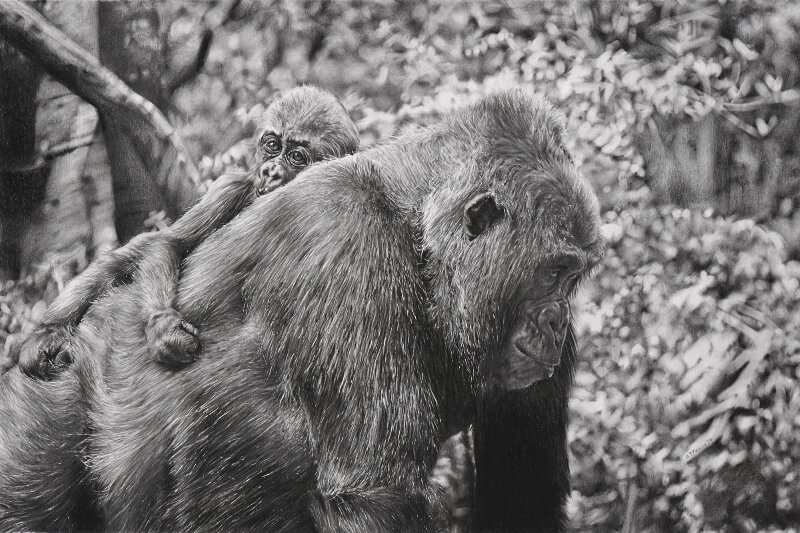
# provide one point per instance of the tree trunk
(156, 149)
(131, 46)
(680, 160)
(22, 172)
(74, 217)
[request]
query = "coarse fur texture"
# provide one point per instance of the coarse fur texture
(351, 321)
(311, 115)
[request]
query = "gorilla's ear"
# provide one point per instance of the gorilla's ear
(479, 214)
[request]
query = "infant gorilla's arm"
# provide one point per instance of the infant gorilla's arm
(171, 340)
(44, 350)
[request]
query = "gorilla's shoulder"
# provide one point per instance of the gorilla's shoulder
(350, 187)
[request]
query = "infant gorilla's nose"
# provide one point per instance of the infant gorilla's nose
(271, 176)
(271, 170)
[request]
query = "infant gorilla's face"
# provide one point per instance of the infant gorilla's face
(282, 158)
(302, 126)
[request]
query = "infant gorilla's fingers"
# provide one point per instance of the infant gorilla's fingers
(171, 354)
(190, 329)
(44, 352)
(172, 341)
(185, 338)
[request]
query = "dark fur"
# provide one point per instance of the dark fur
(347, 322)
(521, 461)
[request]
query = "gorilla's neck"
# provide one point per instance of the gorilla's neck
(414, 165)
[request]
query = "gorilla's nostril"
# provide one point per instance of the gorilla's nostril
(264, 171)
(550, 318)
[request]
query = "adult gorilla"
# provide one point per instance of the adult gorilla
(349, 321)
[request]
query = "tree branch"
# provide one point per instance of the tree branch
(187, 72)
(739, 123)
(165, 156)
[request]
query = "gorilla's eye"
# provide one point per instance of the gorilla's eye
(560, 273)
(479, 214)
(298, 157)
(566, 153)
(270, 144)
(567, 269)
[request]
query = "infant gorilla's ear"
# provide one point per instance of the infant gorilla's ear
(480, 213)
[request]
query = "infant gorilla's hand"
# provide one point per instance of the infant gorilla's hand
(171, 340)
(45, 352)
(228, 185)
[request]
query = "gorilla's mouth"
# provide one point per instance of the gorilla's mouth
(533, 349)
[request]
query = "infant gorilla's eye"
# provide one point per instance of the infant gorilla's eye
(270, 144)
(298, 157)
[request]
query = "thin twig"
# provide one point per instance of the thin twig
(736, 323)
(702, 13)
(757, 315)
(630, 507)
(789, 96)
(761, 315)
(726, 109)
(739, 123)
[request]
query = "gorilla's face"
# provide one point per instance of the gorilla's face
(540, 252)
(506, 258)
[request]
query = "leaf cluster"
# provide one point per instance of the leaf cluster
(686, 410)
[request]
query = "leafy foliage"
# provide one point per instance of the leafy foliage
(688, 394)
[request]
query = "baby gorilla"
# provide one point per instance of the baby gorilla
(302, 126)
